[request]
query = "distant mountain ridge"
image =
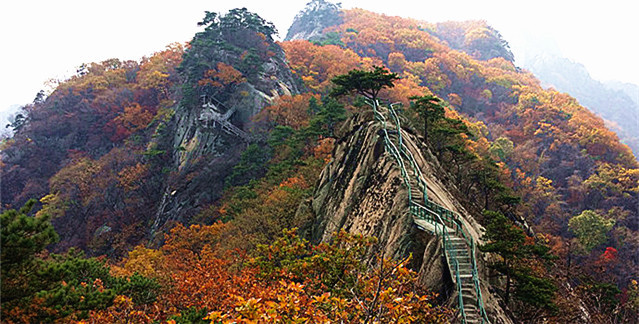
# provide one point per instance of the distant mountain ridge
(612, 101)
(632, 90)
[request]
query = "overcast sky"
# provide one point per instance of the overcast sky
(48, 39)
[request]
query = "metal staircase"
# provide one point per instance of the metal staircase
(211, 115)
(459, 246)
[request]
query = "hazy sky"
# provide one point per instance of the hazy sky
(49, 39)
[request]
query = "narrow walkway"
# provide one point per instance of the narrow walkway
(211, 114)
(459, 247)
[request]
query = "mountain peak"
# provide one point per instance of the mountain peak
(311, 21)
(476, 38)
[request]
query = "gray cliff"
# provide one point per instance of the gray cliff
(361, 191)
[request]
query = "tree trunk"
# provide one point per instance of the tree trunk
(425, 130)
(486, 193)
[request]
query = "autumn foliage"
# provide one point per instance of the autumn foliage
(288, 111)
(537, 145)
(288, 280)
(97, 153)
(222, 75)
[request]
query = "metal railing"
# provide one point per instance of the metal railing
(443, 219)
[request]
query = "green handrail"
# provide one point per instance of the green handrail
(459, 295)
(480, 299)
(390, 146)
(449, 251)
(445, 217)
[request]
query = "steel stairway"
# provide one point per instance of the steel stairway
(459, 247)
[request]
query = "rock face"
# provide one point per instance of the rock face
(313, 19)
(211, 125)
(361, 191)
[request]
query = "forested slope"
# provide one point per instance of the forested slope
(230, 133)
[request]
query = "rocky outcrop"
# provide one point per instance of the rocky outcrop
(362, 191)
(210, 128)
(310, 23)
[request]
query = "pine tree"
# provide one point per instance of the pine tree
(365, 83)
(45, 290)
(428, 109)
(22, 237)
(327, 117)
(510, 243)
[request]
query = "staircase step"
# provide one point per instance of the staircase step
(470, 300)
(462, 273)
(470, 307)
(468, 285)
(468, 292)
(462, 265)
(457, 249)
(472, 318)
(462, 269)
(462, 277)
